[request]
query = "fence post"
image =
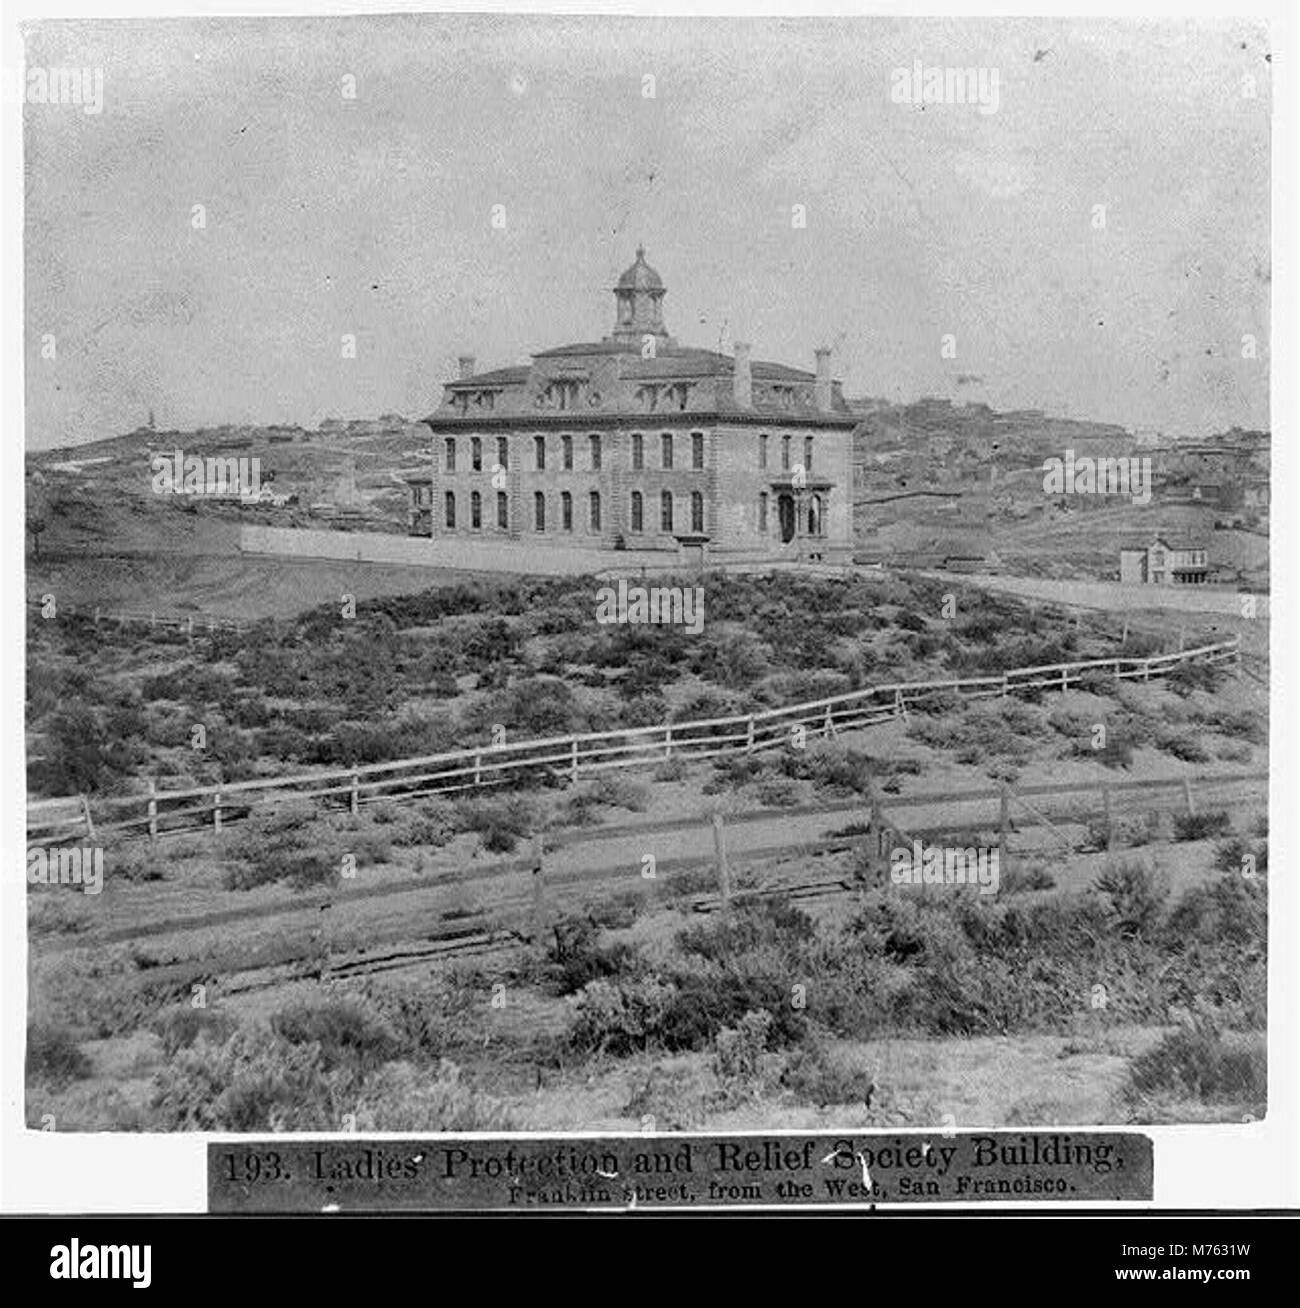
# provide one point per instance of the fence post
(96, 615)
(1187, 795)
(90, 822)
(720, 854)
(189, 628)
(1065, 677)
(749, 736)
(1006, 686)
(573, 766)
(153, 809)
(828, 727)
(1110, 821)
(153, 619)
(355, 797)
(1004, 821)
(1146, 669)
(478, 768)
(668, 742)
(216, 810)
(539, 887)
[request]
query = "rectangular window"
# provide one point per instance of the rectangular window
(666, 511)
(697, 450)
(593, 516)
(566, 448)
(539, 511)
(638, 451)
(566, 511)
(762, 451)
(666, 449)
(539, 453)
(503, 511)
(595, 454)
(503, 451)
(449, 505)
(476, 511)
(697, 511)
(638, 512)
(450, 447)
(807, 453)
(762, 513)
(785, 454)
(476, 454)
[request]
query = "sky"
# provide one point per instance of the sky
(349, 172)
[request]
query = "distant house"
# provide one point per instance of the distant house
(1164, 563)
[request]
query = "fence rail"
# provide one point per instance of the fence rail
(190, 623)
(571, 757)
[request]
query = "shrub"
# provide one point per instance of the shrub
(737, 1055)
(620, 1018)
(291, 843)
(1202, 826)
(1019, 878)
(347, 1032)
(181, 1026)
(500, 823)
(53, 1056)
(1133, 896)
(779, 792)
(400, 1098)
(1187, 677)
(252, 1082)
(577, 956)
(1193, 1062)
(671, 769)
(813, 1075)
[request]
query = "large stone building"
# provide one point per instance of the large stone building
(636, 442)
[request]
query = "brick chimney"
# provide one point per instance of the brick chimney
(822, 386)
(466, 362)
(744, 384)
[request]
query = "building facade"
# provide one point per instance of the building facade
(637, 442)
(1163, 563)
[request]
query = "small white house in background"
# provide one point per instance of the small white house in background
(1164, 563)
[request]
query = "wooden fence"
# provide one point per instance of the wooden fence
(574, 756)
(189, 623)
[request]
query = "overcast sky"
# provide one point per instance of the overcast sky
(372, 217)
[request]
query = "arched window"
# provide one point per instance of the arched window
(449, 504)
(503, 511)
(666, 449)
(475, 510)
(476, 454)
(666, 511)
(595, 453)
(638, 451)
(638, 512)
(593, 510)
(539, 511)
(449, 445)
(697, 511)
(539, 452)
(503, 451)
(566, 452)
(566, 511)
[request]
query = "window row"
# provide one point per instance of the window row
(786, 444)
(666, 452)
(667, 511)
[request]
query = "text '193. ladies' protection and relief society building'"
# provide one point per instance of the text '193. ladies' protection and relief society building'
(635, 442)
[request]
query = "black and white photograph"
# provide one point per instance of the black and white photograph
(648, 576)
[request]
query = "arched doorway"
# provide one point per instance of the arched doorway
(785, 515)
